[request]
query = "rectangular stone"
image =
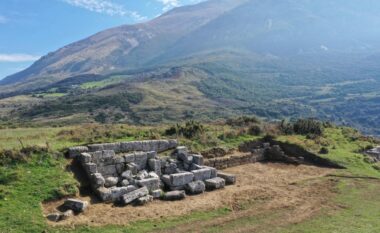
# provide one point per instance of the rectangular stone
(85, 158)
(95, 147)
(229, 178)
(129, 158)
(155, 165)
(181, 178)
(141, 159)
(150, 183)
(130, 197)
(198, 159)
(107, 171)
(215, 183)
(202, 174)
(90, 168)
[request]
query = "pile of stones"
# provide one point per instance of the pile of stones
(134, 173)
(70, 207)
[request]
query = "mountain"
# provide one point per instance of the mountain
(219, 58)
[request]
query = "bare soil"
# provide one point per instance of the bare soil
(298, 192)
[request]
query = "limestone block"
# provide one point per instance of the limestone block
(76, 151)
(229, 178)
(215, 183)
(54, 217)
(118, 192)
(174, 195)
(156, 193)
(155, 166)
(75, 205)
(104, 194)
(150, 183)
(97, 180)
(127, 175)
(129, 158)
(151, 154)
(141, 159)
(120, 168)
(90, 168)
(131, 196)
(195, 187)
(181, 178)
(203, 173)
(107, 171)
(132, 167)
(172, 144)
(170, 168)
(95, 147)
(124, 183)
(85, 158)
(166, 180)
(153, 175)
(141, 175)
(198, 159)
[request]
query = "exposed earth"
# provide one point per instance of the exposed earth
(289, 193)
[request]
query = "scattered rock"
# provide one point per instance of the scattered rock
(144, 200)
(174, 195)
(131, 196)
(215, 183)
(54, 217)
(229, 178)
(67, 214)
(75, 205)
(195, 187)
(111, 182)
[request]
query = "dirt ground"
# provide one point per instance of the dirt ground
(297, 191)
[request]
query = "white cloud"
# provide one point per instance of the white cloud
(169, 4)
(105, 7)
(3, 19)
(18, 57)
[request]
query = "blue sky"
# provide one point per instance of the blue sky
(32, 28)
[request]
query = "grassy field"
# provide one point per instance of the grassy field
(44, 176)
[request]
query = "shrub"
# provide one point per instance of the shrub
(101, 118)
(190, 130)
(254, 130)
(243, 121)
(323, 151)
(308, 126)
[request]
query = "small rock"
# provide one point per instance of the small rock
(111, 182)
(54, 217)
(144, 200)
(215, 183)
(124, 183)
(76, 205)
(157, 193)
(67, 214)
(229, 178)
(195, 187)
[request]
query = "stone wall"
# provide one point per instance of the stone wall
(236, 160)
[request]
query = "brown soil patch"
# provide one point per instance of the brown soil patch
(294, 190)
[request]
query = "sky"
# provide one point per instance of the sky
(30, 29)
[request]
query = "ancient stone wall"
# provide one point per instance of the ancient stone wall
(236, 160)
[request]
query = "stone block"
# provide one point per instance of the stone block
(74, 152)
(150, 183)
(90, 168)
(198, 159)
(124, 183)
(229, 178)
(141, 175)
(129, 158)
(118, 192)
(151, 155)
(141, 159)
(170, 168)
(181, 178)
(166, 180)
(54, 217)
(215, 183)
(131, 196)
(195, 187)
(153, 175)
(95, 147)
(97, 180)
(67, 214)
(155, 166)
(203, 173)
(127, 174)
(85, 158)
(108, 170)
(104, 194)
(75, 205)
(174, 195)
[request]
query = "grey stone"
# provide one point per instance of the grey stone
(151, 154)
(144, 200)
(174, 195)
(176, 188)
(170, 168)
(195, 187)
(203, 173)
(97, 180)
(141, 175)
(75, 205)
(195, 167)
(166, 180)
(150, 183)
(198, 159)
(54, 217)
(132, 167)
(129, 158)
(111, 181)
(229, 178)
(107, 171)
(215, 183)
(127, 174)
(141, 159)
(95, 147)
(67, 214)
(76, 151)
(120, 167)
(181, 178)
(157, 193)
(155, 166)
(85, 158)
(104, 194)
(131, 196)
(90, 168)
(118, 192)
(124, 183)
(153, 175)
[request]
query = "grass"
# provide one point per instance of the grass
(102, 83)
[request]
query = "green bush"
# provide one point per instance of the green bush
(190, 130)
(308, 126)
(254, 130)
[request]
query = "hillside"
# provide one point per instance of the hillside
(293, 59)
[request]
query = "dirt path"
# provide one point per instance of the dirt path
(293, 190)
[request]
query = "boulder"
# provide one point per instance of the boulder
(104, 194)
(127, 174)
(195, 187)
(229, 178)
(142, 175)
(132, 167)
(76, 205)
(170, 168)
(124, 183)
(97, 180)
(174, 195)
(90, 168)
(202, 174)
(54, 217)
(117, 192)
(131, 196)
(215, 183)
(85, 158)
(153, 175)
